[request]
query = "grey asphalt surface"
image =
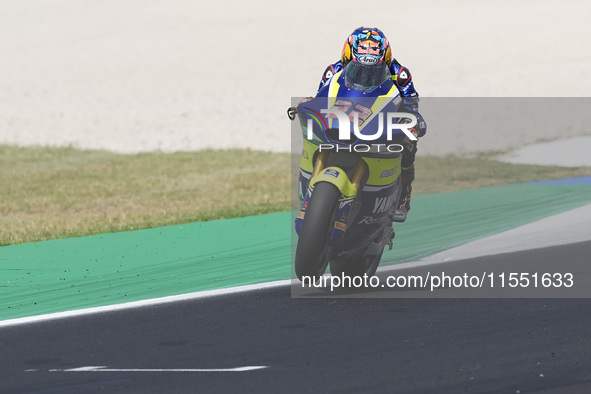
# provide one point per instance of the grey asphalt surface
(327, 345)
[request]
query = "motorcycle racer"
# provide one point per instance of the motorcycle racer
(370, 46)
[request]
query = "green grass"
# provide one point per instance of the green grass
(48, 193)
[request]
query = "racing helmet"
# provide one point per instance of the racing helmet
(368, 46)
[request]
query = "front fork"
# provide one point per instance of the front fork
(358, 172)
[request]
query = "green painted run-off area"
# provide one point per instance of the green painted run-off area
(106, 269)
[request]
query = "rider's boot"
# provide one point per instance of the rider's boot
(400, 210)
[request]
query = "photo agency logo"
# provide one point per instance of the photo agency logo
(351, 120)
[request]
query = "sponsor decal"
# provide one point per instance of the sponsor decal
(369, 47)
(372, 220)
(403, 77)
(332, 172)
(340, 226)
(387, 173)
(367, 59)
(383, 204)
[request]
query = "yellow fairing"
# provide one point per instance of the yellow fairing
(341, 181)
(307, 159)
(382, 172)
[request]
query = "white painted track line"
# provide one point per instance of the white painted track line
(144, 303)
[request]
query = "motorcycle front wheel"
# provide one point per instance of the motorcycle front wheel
(312, 252)
(356, 266)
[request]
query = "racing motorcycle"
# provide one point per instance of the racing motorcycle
(349, 178)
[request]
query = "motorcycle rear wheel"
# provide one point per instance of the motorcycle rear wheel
(312, 252)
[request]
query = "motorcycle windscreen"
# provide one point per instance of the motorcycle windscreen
(366, 77)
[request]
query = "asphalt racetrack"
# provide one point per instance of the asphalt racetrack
(220, 344)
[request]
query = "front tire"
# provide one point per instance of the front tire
(356, 266)
(312, 252)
